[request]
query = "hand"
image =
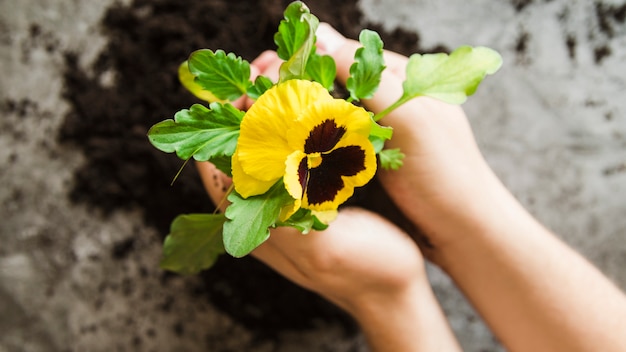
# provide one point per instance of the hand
(523, 281)
(362, 263)
(444, 184)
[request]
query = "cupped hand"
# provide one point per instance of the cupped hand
(444, 184)
(360, 259)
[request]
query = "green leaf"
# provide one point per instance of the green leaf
(322, 69)
(318, 225)
(391, 159)
(249, 219)
(295, 40)
(194, 243)
(188, 80)
(302, 220)
(378, 135)
(366, 71)
(383, 132)
(225, 76)
(261, 84)
(450, 78)
(199, 132)
(294, 30)
(223, 163)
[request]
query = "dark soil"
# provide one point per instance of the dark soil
(108, 122)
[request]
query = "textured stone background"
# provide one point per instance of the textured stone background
(552, 124)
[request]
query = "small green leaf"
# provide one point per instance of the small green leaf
(199, 132)
(391, 159)
(261, 84)
(318, 225)
(378, 135)
(366, 71)
(384, 132)
(194, 243)
(249, 219)
(322, 69)
(295, 40)
(225, 76)
(302, 220)
(378, 143)
(450, 78)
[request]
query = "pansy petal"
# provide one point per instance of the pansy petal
(262, 142)
(352, 164)
(245, 184)
(326, 217)
(288, 210)
(323, 124)
(364, 176)
(294, 178)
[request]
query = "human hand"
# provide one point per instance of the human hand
(362, 262)
(525, 283)
(360, 255)
(444, 185)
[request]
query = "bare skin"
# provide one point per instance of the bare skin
(534, 292)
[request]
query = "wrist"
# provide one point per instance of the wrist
(483, 216)
(408, 320)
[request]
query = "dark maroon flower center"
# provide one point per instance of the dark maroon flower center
(322, 183)
(324, 137)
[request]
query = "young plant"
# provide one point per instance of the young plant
(298, 153)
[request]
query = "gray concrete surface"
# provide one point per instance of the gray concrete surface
(552, 124)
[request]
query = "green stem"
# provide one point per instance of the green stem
(403, 99)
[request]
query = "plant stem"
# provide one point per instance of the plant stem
(403, 99)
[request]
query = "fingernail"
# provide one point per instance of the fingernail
(328, 39)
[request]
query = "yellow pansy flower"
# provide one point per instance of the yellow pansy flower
(318, 145)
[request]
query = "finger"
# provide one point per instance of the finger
(215, 182)
(270, 254)
(269, 65)
(354, 230)
(263, 61)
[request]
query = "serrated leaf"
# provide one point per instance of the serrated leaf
(322, 69)
(249, 220)
(295, 40)
(391, 159)
(199, 132)
(450, 78)
(188, 80)
(366, 71)
(225, 76)
(261, 84)
(194, 243)
(294, 30)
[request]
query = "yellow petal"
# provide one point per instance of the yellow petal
(363, 177)
(288, 210)
(351, 118)
(245, 184)
(263, 146)
(292, 176)
(349, 182)
(325, 217)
